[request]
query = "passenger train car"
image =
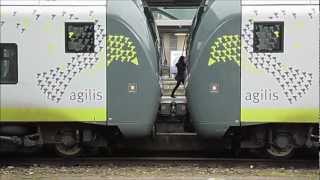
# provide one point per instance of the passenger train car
(254, 73)
(74, 73)
(80, 74)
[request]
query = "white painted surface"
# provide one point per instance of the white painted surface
(41, 47)
(301, 52)
(270, 2)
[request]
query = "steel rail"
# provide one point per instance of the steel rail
(22, 161)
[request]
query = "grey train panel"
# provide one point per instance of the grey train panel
(133, 89)
(214, 95)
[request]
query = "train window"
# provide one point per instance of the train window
(268, 37)
(79, 37)
(8, 63)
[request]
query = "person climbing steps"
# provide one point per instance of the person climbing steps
(180, 76)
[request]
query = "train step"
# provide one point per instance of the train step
(170, 127)
(178, 93)
(173, 106)
(173, 125)
(168, 85)
(178, 99)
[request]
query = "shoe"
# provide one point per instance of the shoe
(173, 96)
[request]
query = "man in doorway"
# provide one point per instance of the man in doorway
(180, 77)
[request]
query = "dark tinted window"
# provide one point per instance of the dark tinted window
(79, 37)
(8, 63)
(268, 37)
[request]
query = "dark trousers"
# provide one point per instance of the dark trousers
(177, 85)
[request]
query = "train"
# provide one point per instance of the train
(254, 74)
(78, 74)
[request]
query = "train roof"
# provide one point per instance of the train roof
(56, 2)
(279, 2)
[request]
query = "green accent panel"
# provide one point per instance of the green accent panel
(280, 115)
(121, 48)
(225, 48)
(53, 114)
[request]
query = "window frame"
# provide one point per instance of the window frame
(15, 58)
(268, 23)
(66, 25)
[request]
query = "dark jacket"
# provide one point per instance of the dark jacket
(181, 68)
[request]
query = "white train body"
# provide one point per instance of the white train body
(280, 84)
(52, 82)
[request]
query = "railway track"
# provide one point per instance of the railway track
(97, 161)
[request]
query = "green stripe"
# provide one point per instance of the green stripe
(272, 115)
(53, 114)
